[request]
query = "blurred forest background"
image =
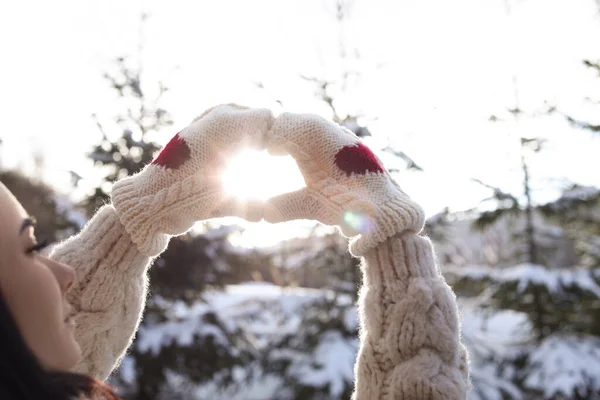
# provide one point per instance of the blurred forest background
(517, 232)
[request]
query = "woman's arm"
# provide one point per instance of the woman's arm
(112, 253)
(409, 329)
(109, 292)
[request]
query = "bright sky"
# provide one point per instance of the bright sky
(448, 67)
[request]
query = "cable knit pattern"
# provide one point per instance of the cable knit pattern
(183, 184)
(409, 328)
(109, 291)
(410, 345)
(369, 206)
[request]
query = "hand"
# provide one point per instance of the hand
(346, 184)
(183, 184)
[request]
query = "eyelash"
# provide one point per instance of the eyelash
(40, 246)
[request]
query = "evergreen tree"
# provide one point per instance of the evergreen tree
(552, 359)
(578, 212)
(577, 209)
(141, 117)
(578, 123)
(316, 361)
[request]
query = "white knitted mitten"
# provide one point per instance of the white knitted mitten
(183, 184)
(346, 184)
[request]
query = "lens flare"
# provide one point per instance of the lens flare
(359, 222)
(251, 174)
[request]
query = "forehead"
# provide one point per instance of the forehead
(11, 217)
(11, 214)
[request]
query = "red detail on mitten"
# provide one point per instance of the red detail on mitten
(358, 159)
(174, 154)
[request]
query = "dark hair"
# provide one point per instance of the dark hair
(23, 378)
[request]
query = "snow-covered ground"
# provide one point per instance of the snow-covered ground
(266, 313)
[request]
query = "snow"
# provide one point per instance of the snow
(559, 366)
(580, 192)
(526, 274)
(582, 278)
(489, 386)
(187, 323)
(563, 363)
(492, 337)
(555, 280)
(254, 388)
(350, 319)
(234, 298)
(266, 313)
(127, 370)
(459, 243)
(331, 364)
(474, 272)
(491, 333)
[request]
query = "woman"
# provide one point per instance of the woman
(78, 310)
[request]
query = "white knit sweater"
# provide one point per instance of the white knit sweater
(409, 329)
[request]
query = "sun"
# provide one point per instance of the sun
(253, 174)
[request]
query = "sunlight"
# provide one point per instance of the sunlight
(254, 174)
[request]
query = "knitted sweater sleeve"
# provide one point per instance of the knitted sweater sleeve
(410, 335)
(109, 291)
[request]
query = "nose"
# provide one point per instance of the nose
(65, 275)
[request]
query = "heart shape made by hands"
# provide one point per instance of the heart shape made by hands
(251, 174)
(274, 177)
(256, 174)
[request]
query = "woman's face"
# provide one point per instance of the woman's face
(34, 288)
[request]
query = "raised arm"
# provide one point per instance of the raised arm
(112, 253)
(409, 330)
(109, 292)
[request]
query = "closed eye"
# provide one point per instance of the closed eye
(37, 247)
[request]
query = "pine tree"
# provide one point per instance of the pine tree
(578, 212)
(140, 118)
(578, 123)
(577, 209)
(303, 359)
(552, 359)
